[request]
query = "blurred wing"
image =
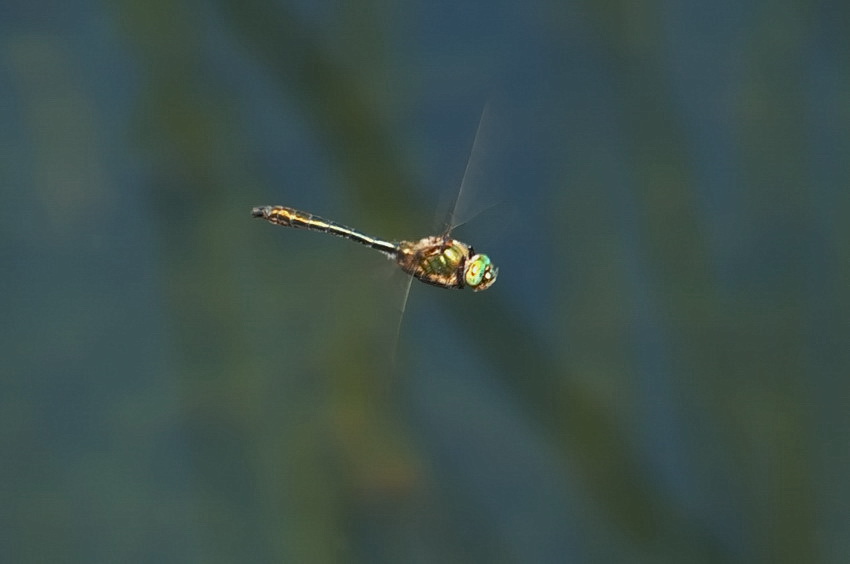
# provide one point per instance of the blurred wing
(397, 335)
(462, 197)
(461, 201)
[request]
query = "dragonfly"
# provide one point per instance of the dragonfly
(438, 260)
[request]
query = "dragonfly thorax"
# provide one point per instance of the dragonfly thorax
(446, 262)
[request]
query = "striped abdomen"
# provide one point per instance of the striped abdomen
(289, 217)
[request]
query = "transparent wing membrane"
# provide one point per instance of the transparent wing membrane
(460, 210)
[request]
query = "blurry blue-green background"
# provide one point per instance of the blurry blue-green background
(660, 373)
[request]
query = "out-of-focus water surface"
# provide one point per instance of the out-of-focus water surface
(660, 373)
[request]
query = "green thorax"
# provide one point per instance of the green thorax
(434, 260)
(446, 262)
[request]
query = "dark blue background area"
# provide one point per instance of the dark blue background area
(660, 373)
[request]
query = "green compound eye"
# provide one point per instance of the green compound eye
(480, 273)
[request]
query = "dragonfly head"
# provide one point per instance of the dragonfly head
(479, 273)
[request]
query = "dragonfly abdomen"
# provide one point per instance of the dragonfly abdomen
(290, 217)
